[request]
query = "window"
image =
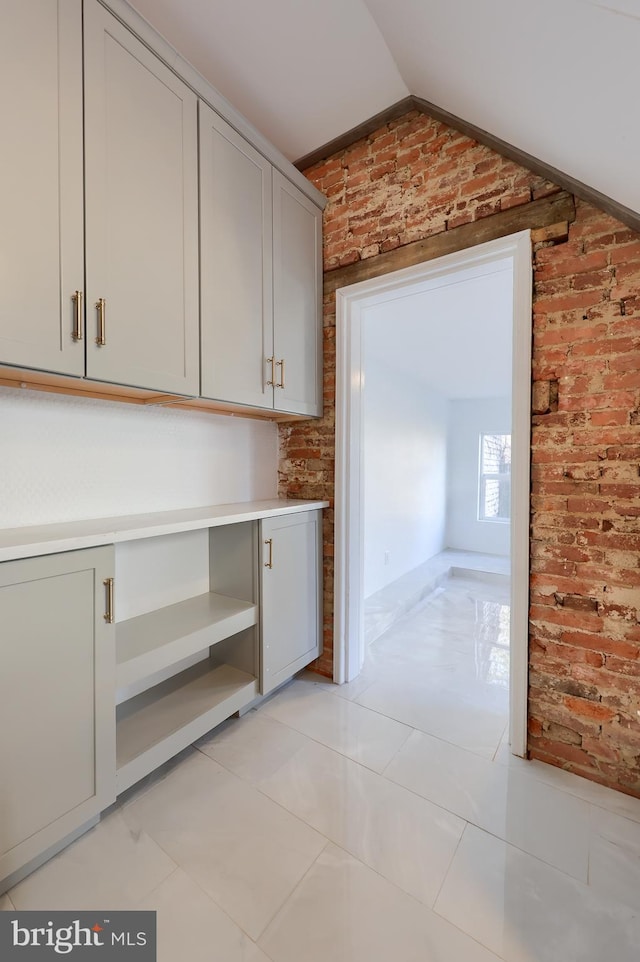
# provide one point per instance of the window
(494, 495)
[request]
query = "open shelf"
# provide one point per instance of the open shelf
(152, 642)
(159, 723)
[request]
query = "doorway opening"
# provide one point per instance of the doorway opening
(502, 477)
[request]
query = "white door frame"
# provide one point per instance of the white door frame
(348, 655)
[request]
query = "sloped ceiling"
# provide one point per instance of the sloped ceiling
(558, 79)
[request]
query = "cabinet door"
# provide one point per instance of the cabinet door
(291, 595)
(141, 213)
(236, 268)
(297, 299)
(57, 725)
(41, 234)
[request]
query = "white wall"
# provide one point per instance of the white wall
(65, 458)
(404, 454)
(467, 419)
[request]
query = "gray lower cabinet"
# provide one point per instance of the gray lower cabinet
(90, 704)
(57, 738)
(290, 596)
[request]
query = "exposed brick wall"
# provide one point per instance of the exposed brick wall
(416, 177)
(585, 560)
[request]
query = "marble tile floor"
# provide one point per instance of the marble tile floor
(388, 604)
(381, 820)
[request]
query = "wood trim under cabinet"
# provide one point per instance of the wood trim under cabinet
(21, 378)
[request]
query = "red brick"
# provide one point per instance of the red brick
(610, 417)
(560, 751)
(570, 619)
(623, 666)
(609, 646)
(618, 345)
(599, 748)
(588, 505)
(569, 335)
(592, 710)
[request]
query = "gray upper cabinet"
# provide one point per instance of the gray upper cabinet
(297, 299)
(141, 213)
(261, 242)
(57, 679)
(136, 249)
(41, 239)
(236, 266)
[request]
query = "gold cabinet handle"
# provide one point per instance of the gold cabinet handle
(271, 361)
(109, 613)
(280, 364)
(269, 563)
(101, 339)
(77, 316)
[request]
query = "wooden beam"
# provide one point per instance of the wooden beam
(367, 127)
(589, 194)
(552, 210)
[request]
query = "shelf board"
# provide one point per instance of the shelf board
(159, 723)
(29, 541)
(151, 642)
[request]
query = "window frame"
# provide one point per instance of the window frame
(483, 476)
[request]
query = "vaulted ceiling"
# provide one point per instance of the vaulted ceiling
(558, 79)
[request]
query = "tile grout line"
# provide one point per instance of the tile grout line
(406, 788)
(337, 750)
(330, 841)
(415, 794)
(258, 787)
(422, 905)
(486, 831)
(533, 772)
(293, 890)
(177, 868)
(430, 734)
(504, 730)
(208, 895)
(448, 921)
(591, 827)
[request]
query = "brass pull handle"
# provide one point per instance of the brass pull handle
(109, 613)
(280, 364)
(77, 317)
(101, 339)
(269, 563)
(271, 361)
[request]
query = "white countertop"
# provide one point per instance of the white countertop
(33, 540)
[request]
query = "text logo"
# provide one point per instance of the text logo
(81, 936)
